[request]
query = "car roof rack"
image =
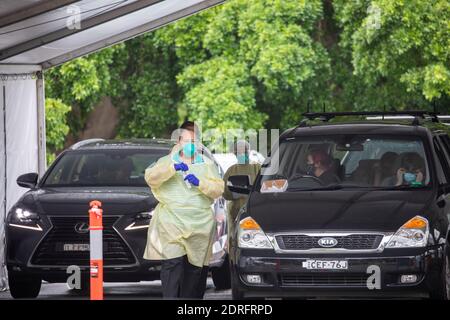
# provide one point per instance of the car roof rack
(85, 142)
(327, 116)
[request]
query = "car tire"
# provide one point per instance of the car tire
(221, 275)
(24, 286)
(442, 291)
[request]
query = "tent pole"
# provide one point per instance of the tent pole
(3, 284)
(40, 90)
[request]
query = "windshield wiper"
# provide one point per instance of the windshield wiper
(401, 187)
(337, 186)
(323, 188)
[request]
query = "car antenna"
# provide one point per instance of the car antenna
(434, 116)
(308, 110)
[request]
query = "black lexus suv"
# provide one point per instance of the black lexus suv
(353, 209)
(47, 229)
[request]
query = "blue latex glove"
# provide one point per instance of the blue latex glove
(181, 166)
(192, 179)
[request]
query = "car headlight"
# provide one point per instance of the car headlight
(250, 235)
(141, 221)
(25, 219)
(413, 233)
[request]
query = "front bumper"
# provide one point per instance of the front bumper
(24, 247)
(285, 276)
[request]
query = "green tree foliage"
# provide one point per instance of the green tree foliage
(257, 63)
(148, 94)
(56, 126)
(401, 47)
(82, 82)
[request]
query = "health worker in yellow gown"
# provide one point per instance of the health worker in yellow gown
(181, 230)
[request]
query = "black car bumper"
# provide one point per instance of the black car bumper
(286, 276)
(39, 252)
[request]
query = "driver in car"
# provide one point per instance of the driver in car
(320, 165)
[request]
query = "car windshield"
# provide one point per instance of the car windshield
(346, 161)
(102, 168)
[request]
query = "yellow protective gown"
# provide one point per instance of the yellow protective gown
(183, 221)
(234, 205)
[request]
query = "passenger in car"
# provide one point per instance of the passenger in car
(411, 171)
(386, 167)
(320, 165)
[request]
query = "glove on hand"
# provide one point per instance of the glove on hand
(192, 179)
(181, 166)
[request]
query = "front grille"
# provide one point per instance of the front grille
(349, 242)
(49, 252)
(319, 279)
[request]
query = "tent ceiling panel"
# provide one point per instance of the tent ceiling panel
(50, 22)
(53, 43)
(12, 11)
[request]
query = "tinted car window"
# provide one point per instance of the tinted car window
(443, 160)
(361, 161)
(102, 168)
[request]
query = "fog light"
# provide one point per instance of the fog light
(254, 278)
(408, 278)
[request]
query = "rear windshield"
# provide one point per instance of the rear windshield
(334, 162)
(102, 168)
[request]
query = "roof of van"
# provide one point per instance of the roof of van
(325, 128)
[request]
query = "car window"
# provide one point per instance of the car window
(445, 140)
(350, 160)
(443, 160)
(122, 167)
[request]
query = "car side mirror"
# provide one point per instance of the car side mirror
(239, 184)
(28, 180)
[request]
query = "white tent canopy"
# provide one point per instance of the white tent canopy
(38, 34)
(42, 36)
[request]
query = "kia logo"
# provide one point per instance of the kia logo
(81, 227)
(327, 242)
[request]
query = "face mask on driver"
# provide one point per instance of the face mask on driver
(310, 169)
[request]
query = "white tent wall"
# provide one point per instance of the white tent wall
(20, 138)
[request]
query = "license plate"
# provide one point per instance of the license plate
(325, 264)
(75, 247)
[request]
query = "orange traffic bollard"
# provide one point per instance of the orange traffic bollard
(96, 249)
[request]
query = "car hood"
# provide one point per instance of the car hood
(337, 210)
(75, 201)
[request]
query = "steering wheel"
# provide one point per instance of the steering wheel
(299, 176)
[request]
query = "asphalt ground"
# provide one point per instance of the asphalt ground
(146, 290)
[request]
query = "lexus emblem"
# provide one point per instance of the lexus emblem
(327, 242)
(81, 227)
